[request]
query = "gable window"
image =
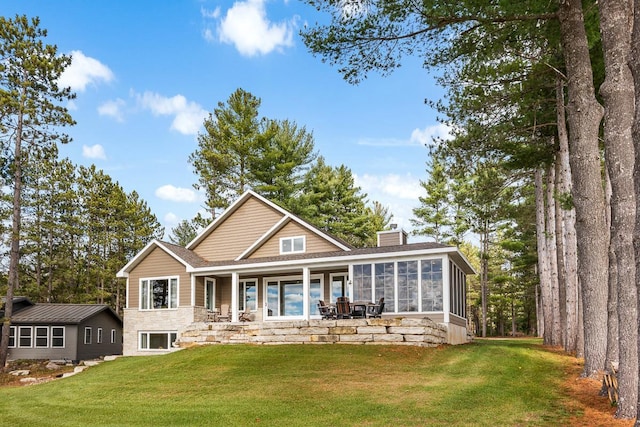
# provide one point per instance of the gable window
(57, 336)
(157, 340)
(292, 245)
(159, 293)
(113, 336)
(99, 337)
(87, 335)
(12, 336)
(24, 336)
(42, 336)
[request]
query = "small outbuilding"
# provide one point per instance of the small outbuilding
(70, 332)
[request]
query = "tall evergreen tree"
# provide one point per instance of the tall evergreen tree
(32, 115)
(433, 217)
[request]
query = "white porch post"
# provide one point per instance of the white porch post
(235, 281)
(446, 288)
(306, 286)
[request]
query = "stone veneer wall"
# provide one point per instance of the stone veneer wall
(421, 332)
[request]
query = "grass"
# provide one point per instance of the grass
(487, 383)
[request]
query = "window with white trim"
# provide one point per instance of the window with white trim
(159, 293)
(57, 336)
(87, 335)
(42, 336)
(157, 340)
(113, 336)
(12, 337)
(24, 336)
(248, 295)
(292, 245)
(99, 336)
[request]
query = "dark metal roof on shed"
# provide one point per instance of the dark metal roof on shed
(60, 313)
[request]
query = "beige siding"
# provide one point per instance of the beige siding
(239, 231)
(460, 321)
(199, 292)
(392, 238)
(159, 264)
(314, 243)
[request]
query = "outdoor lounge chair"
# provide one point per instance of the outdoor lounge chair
(376, 310)
(245, 316)
(225, 315)
(343, 311)
(325, 311)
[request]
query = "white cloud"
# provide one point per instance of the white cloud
(425, 136)
(94, 152)
(113, 109)
(418, 137)
(247, 27)
(176, 194)
(399, 193)
(213, 14)
(171, 220)
(84, 71)
(187, 116)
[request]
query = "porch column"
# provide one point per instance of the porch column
(235, 280)
(446, 288)
(306, 286)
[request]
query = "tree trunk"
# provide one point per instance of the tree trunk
(617, 91)
(584, 118)
(14, 253)
(543, 261)
(570, 265)
(484, 282)
(635, 69)
(560, 262)
(552, 254)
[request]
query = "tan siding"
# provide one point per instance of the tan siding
(159, 264)
(239, 231)
(314, 243)
(199, 292)
(458, 320)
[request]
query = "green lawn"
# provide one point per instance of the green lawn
(489, 382)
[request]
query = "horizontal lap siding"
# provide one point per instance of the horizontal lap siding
(238, 232)
(314, 243)
(159, 264)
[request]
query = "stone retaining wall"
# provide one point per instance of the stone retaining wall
(405, 331)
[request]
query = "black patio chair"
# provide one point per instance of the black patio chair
(376, 310)
(325, 311)
(343, 311)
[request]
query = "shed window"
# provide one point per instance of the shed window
(87, 335)
(42, 336)
(57, 336)
(24, 339)
(12, 337)
(113, 336)
(99, 337)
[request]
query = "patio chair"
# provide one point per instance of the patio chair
(343, 311)
(246, 316)
(376, 310)
(325, 311)
(359, 310)
(225, 314)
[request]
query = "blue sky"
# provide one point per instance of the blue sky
(147, 73)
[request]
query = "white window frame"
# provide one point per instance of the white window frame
(292, 242)
(45, 336)
(19, 342)
(242, 302)
(210, 299)
(13, 333)
(88, 337)
(99, 336)
(148, 340)
(58, 337)
(173, 300)
(113, 336)
(279, 279)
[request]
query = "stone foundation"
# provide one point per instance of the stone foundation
(421, 332)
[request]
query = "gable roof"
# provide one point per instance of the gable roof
(61, 313)
(184, 256)
(287, 216)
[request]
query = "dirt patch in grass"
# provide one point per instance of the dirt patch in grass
(37, 370)
(590, 408)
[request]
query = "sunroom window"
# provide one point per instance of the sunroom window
(159, 293)
(291, 245)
